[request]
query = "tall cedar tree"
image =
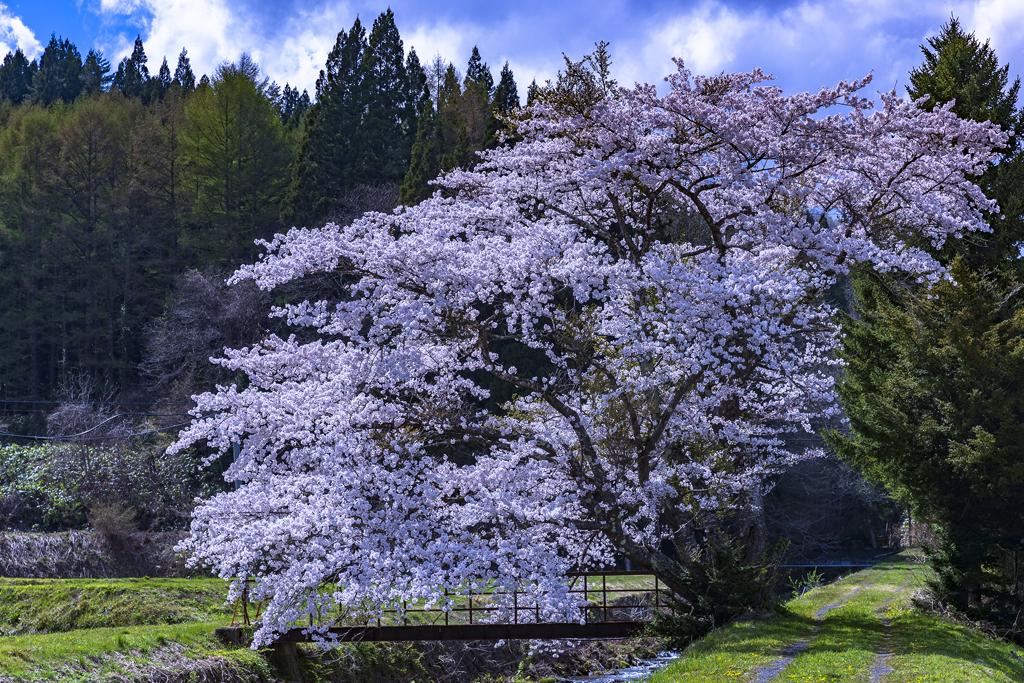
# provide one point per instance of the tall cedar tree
(132, 77)
(326, 164)
(934, 387)
(95, 78)
(59, 78)
(183, 75)
(363, 125)
(505, 101)
(16, 75)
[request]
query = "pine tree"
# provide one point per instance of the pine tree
(16, 76)
(506, 100)
(325, 165)
(383, 145)
(417, 94)
(934, 383)
(132, 77)
(478, 74)
(183, 75)
(161, 85)
(60, 73)
(958, 67)
(532, 93)
(95, 78)
(426, 159)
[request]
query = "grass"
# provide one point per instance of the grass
(56, 605)
(842, 642)
(123, 629)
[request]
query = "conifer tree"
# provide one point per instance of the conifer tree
(95, 78)
(183, 75)
(383, 145)
(934, 377)
(160, 85)
(325, 165)
(958, 67)
(506, 100)
(60, 73)
(425, 164)
(16, 76)
(132, 77)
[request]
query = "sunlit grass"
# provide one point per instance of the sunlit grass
(845, 646)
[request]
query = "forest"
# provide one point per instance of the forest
(118, 187)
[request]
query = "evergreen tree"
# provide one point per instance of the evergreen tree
(326, 162)
(60, 73)
(477, 90)
(506, 100)
(417, 94)
(426, 159)
(16, 75)
(958, 67)
(477, 74)
(532, 93)
(132, 77)
(94, 73)
(383, 144)
(934, 386)
(160, 85)
(183, 75)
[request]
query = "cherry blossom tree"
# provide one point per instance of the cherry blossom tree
(655, 267)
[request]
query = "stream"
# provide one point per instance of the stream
(642, 669)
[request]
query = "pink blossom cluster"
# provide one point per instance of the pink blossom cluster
(664, 258)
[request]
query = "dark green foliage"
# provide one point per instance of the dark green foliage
(426, 160)
(293, 106)
(183, 75)
(362, 128)
(327, 158)
(160, 85)
(934, 392)
(385, 136)
(59, 78)
(94, 73)
(506, 101)
(16, 76)
(104, 200)
(957, 66)
(934, 389)
(719, 587)
(132, 77)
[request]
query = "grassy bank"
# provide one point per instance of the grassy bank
(862, 628)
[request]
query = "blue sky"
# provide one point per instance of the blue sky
(804, 44)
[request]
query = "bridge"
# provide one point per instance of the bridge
(619, 605)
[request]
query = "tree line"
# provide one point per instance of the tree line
(115, 182)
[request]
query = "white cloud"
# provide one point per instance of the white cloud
(1003, 22)
(14, 34)
(213, 31)
(823, 40)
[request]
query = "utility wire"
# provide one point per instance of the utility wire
(72, 439)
